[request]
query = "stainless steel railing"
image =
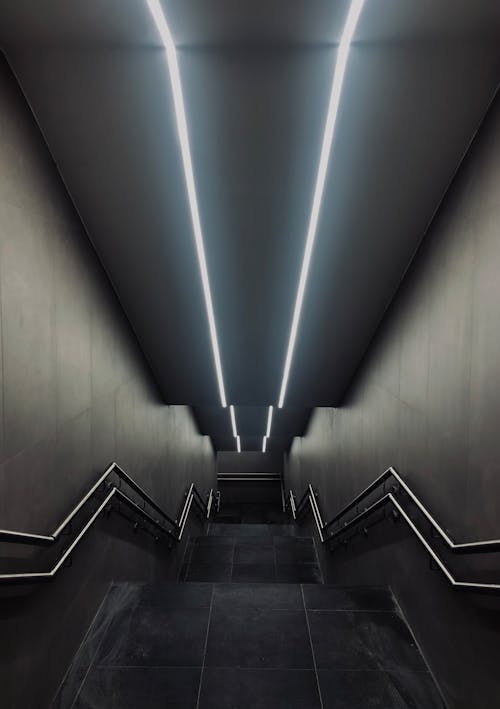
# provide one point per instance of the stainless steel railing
(329, 535)
(161, 523)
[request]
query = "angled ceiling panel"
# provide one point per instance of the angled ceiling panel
(256, 79)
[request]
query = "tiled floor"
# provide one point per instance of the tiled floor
(254, 646)
(262, 558)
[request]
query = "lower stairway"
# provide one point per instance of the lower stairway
(250, 625)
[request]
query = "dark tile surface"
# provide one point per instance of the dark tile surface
(208, 554)
(117, 604)
(254, 553)
(251, 530)
(131, 688)
(212, 541)
(269, 596)
(319, 597)
(295, 550)
(148, 644)
(253, 573)
(154, 636)
(378, 690)
(251, 558)
(255, 637)
(181, 595)
(298, 573)
(363, 640)
(258, 689)
(206, 572)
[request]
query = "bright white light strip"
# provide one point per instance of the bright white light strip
(180, 115)
(238, 444)
(269, 421)
(333, 106)
(233, 421)
(264, 443)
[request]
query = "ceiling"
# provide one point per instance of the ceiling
(256, 78)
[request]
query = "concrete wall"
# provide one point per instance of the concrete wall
(427, 400)
(75, 393)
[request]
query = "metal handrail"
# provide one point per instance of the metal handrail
(175, 533)
(485, 546)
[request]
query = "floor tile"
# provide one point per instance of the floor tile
(248, 573)
(118, 603)
(258, 689)
(378, 690)
(220, 529)
(356, 598)
(180, 595)
(210, 573)
(212, 541)
(251, 530)
(270, 596)
(295, 550)
(208, 554)
(363, 640)
(298, 573)
(131, 688)
(254, 553)
(250, 637)
(152, 636)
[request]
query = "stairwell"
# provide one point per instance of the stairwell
(249, 625)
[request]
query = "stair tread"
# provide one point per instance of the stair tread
(250, 529)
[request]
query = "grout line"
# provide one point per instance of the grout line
(92, 661)
(318, 561)
(188, 563)
(206, 645)
(351, 610)
(419, 648)
(275, 562)
(232, 560)
(312, 647)
(80, 648)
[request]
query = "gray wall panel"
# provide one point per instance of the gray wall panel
(427, 400)
(75, 393)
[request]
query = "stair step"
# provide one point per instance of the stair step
(245, 559)
(251, 530)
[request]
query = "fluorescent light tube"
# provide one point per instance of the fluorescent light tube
(182, 130)
(331, 118)
(233, 421)
(269, 421)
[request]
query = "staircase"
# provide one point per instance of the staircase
(249, 625)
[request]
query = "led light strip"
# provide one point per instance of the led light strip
(234, 427)
(333, 106)
(268, 428)
(233, 421)
(269, 421)
(180, 116)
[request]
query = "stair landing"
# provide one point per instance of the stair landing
(248, 646)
